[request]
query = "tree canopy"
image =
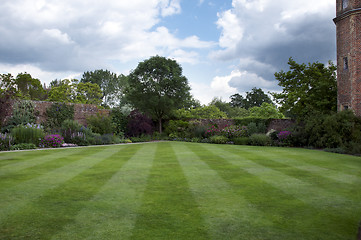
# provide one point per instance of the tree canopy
(111, 84)
(157, 87)
(73, 91)
(307, 89)
(255, 98)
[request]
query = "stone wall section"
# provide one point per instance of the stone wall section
(81, 111)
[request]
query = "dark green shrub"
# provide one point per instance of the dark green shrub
(219, 139)
(341, 129)
(30, 133)
(119, 121)
(241, 140)
(57, 113)
(142, 138)
(198, 131)
(23, 146)
(259, 139)
(254, 127)
(101, 124)
(177, 127)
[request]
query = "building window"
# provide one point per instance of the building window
(345, 63)
(344, 4)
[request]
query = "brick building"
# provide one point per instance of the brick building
(348, 28)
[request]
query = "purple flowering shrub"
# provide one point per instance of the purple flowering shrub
(52, 141)
(6, 141)
(284, 135)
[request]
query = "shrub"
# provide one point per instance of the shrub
(342, 129)
(23, 146)
(234, 131)
(101, 124)
(52, 141)
(139, 124)
(177, 127)
(106, 139)
(219, 139)
(241, 140)
(197, 130)
(142, 138)
(57, 113)
(212, 131)
(119, 121)
(254, 127)
(196, 140)
(23, 113)
(29, 133)
(259, 139)
(6, 141)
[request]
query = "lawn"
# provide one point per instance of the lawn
(174, 190)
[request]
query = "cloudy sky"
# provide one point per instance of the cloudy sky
(224, 46)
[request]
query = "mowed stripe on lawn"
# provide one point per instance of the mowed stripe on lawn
(24, 171)
(111, 213)
(14, 198)
(168, 209)
(228, 214)
(288, 196)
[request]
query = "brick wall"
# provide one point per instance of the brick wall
(81, 111)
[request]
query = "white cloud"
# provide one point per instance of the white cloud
(78, 35)
(263, 34)
(58, 35)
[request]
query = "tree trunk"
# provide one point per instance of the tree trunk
(160, 125)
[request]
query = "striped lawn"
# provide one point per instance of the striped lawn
(174, 190)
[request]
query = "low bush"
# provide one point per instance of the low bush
(241, 140)
(29, 133)
(219, 139)
(177, 128)
(101, 124)
(254, 127)
(142, 138)
(57, 113)
(6, 141)
(234, 131)
(52, 141)
(23, 146)
(259, 139)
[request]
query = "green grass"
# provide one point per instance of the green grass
(174, 190)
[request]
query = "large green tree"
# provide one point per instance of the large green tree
(158, 87)
(229, 109)
(254, 98)
(111, 84)
(75, 92)
(29, 88)
(307, 89)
